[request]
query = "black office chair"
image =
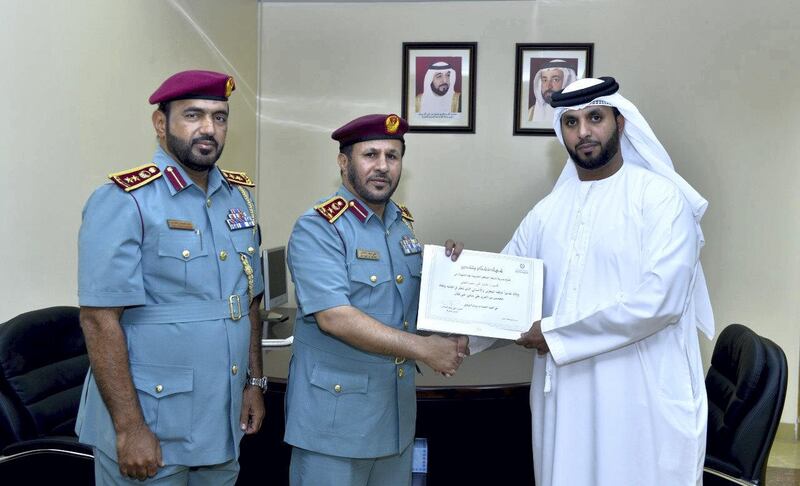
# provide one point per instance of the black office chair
(746, 388)
(43, 363)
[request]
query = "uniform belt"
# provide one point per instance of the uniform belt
(192, 311)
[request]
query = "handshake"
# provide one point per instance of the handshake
(444, 354)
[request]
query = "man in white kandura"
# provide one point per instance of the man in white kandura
(617, 394)
(438, 91)
(552, 77)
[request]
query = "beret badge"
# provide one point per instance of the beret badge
(229, 87)
(392, 124)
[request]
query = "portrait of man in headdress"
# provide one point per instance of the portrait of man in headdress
(542, 71)
(438, 85)
(548, 76)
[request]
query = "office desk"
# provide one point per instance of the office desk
(476, 435)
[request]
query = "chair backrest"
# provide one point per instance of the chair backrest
(43, 363)
(746, 387)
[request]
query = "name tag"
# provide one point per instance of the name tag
(180, 225)
(367, 254)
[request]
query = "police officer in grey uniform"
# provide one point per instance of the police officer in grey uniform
(355, 264)
(169, 288)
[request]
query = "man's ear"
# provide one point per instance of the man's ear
(341, 160)
(160, 124)
(620, 122)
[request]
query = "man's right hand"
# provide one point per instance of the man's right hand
(533, 338)
(138, 452)
(444, 355)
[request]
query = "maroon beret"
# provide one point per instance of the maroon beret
(206, 85)
(370, 127)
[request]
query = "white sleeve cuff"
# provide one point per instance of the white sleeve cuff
(478, 344)
(553, 340)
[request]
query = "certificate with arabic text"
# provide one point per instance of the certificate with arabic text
(480, 294)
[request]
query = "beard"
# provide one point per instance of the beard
(609, 150)
(548, 96)
(441, 89)
(202, 162)
(368, 195)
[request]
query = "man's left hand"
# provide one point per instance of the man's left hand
(253, 410)
(453, 249)
(533, 338)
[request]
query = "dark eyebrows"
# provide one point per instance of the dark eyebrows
(197, 109)
(372, 149)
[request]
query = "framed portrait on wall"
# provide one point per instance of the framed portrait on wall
(541, 70)
(439, 86)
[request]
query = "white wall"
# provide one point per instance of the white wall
(75, 84)
(717, 80)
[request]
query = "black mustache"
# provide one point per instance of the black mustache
(204, 139)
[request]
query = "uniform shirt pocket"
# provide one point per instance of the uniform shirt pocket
(339, 382)
(180, 260)
(244, 243)
(371, 287)
(414, 266)
(340, 400)
(166, 399)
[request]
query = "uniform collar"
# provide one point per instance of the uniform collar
(177, 178)
(390, 213)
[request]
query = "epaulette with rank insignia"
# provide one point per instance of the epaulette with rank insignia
(332, 208)
(135, 178)
(239, 178)
(405, 213)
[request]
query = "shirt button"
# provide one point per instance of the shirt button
(223, 255)
(250, 250)
(159, 388)
(337, 388)
(373, 278)
(401, 372)
(399, 279)
(234, 369)
(185, 253)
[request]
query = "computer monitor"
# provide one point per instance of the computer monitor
(275, 285)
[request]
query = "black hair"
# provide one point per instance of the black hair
(164, 107)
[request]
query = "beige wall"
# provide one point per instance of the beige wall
(717, 80)
(75, 84)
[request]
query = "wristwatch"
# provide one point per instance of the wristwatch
(259, 382)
